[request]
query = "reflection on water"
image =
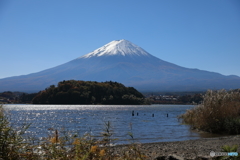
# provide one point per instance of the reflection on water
(79, 119)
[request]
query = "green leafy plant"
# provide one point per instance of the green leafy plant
(227, 148)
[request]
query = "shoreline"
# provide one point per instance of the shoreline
(87, 104)
(180, 150)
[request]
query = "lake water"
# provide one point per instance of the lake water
(81, 119)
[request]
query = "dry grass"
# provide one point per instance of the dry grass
(219, 113)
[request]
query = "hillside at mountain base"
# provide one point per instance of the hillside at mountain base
(127, 63)
(87, 92)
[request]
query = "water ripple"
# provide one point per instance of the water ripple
(91, 118)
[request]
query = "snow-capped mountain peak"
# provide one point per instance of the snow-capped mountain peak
(124, 62)
(118, 47)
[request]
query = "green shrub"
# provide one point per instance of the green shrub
(227, 148)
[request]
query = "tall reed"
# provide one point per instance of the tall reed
(219, 113)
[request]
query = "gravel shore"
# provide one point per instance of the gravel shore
(183, 150)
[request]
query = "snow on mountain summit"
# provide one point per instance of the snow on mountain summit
(117, 47)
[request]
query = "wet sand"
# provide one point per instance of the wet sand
(181, 150)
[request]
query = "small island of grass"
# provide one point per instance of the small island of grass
(89, 92)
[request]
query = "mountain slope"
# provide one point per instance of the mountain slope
(124, 62)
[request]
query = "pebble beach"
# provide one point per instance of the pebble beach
(183, 150)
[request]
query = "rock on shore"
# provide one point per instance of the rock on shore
(182, 150)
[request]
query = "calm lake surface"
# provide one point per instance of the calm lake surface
(81, 119)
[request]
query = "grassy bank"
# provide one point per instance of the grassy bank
(219, 113)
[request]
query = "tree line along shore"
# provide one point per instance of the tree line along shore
(87, 92)
(219, 112)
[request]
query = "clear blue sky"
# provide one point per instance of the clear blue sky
(40, 34)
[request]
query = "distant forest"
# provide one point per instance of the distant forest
(89, 92)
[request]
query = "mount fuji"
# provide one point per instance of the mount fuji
(127, 63)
